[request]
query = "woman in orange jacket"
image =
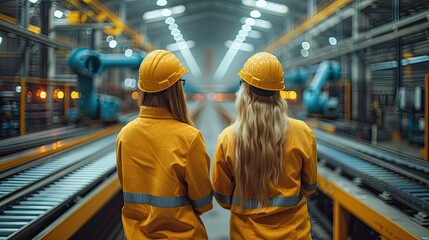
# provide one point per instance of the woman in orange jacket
(265, 163)
(162, 163)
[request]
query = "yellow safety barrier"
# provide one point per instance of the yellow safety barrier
(348, 198)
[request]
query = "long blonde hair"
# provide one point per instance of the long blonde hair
(260, 134)
(173, 99)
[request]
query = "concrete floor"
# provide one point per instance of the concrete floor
(211, 123)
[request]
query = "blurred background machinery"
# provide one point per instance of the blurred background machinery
(356, 69)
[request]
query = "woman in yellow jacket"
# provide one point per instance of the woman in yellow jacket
(162, 163)
(265, 162)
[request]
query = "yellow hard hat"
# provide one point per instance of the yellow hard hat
(263, 70)
(159, 70)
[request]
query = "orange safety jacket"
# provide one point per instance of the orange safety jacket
(287, 217)
(163, 168)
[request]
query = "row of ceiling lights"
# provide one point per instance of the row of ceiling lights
(246, 28)
(181, 43)
(306, 46)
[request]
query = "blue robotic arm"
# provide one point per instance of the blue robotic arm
(314, 99)
(86, 63)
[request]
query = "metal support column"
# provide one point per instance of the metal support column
(341, 220)
(66, 100)
(347, 98)
(45, 17)
(23, 96)
(355, 66)
(426, 138)
(398, 57)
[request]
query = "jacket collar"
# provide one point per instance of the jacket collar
(155, 112)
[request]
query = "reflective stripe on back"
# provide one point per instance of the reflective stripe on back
(167, 202)
(253, 203)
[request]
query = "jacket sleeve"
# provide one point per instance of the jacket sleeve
(222, 178)
(309, 169)
(197, 176)
(119, 158)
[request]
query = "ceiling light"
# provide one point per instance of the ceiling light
(169, 20)
(246, 27)
(181, 43)
(262, 23)
(267, 6)
(254, 34)
(174, 32)
(165, 12)
(250, 21)
(109, 38)
(58, 14)
(128, 52)
(173, 47)
(33, 1)
(233, 48)
(161, 3)
(257, 23)
(332, 41)
(240, 38)
(113, 44)
(1, 40)
(243, 33)
(255, 14)
(261, 3)
(178, 37)
(304, 53)
(178, 9)
(172, 26)
(414, 60)
(243, 46)
(305, 45)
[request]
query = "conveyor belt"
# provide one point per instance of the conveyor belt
(396, 158)
(49, 166)
(411, 193)
(30, 198)
(17, 144)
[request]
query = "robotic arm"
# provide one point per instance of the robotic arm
(314, 99)
(86, 64)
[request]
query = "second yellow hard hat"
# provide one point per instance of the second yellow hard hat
(263, 70)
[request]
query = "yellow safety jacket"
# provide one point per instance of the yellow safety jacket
(287, 217)
(163, 168)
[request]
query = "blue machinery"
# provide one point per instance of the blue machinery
(86, 64)
(316, 101)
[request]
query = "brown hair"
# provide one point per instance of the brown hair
(173, 99)
(260, 134)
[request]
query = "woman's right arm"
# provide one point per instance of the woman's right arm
(222, 180)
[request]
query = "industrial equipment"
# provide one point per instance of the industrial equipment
(86, 63)
(317, 101)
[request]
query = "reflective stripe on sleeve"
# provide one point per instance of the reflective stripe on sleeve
(223, 198)
(253, 203)
(167, 202)
(202, 202)
(309, 187)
